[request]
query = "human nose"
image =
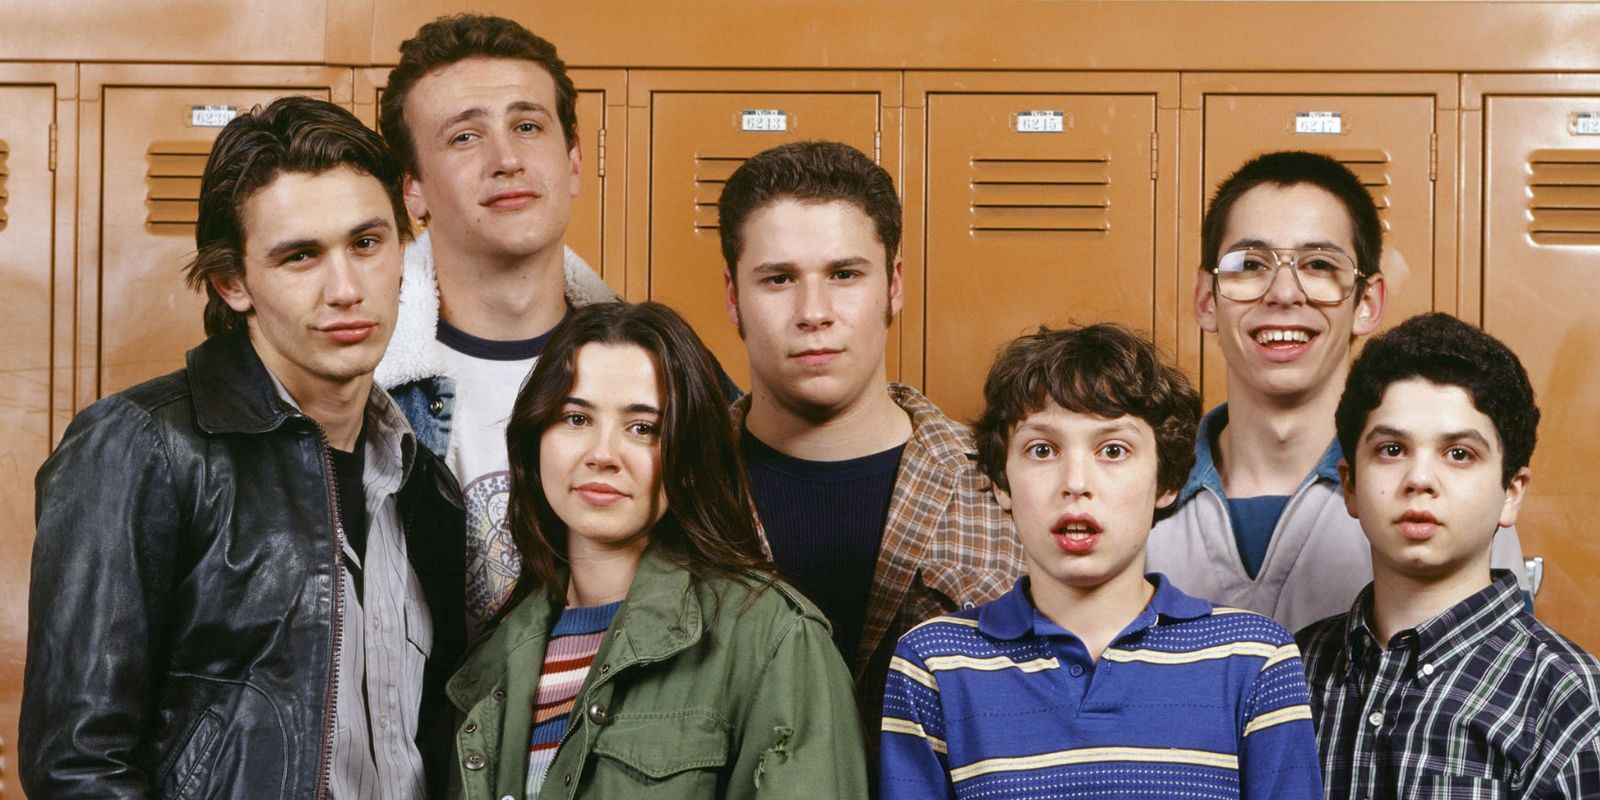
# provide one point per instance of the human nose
(601, 452)
(1285, 286)
(1074, 476)
(816, 305)
(503, 155)
(344, 285)
(1421, 477)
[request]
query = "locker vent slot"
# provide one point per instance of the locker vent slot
(5, 172)
(1041, 195)
(1564, 197)
(173, 175)
(710, 174)
(1372, 168)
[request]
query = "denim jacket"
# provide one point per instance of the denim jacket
(413, 370)
(701, 689)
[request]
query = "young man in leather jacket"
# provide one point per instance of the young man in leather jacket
(247, 576)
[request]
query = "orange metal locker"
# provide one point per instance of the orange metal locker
(595, 230)
(1530, 269)
(152, 127)
(36, 222)
(688, 131)
(1042, 200)
(1389, 129)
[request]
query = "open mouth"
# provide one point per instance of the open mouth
(1076, 533)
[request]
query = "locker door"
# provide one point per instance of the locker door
(698, 134)
(595, 231)
(153, 129)
(1386, 134)
(1541, 244)
(27, 320)
(1041, 208)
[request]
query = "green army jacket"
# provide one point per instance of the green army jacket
(687, 698)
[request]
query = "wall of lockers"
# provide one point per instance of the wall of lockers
(1054, 156)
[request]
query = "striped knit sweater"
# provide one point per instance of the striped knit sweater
(573, 644)
(1188, 701)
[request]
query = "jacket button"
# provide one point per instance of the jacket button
(499, 694)
(597, 714)
(436, 406)
(566, 780)
(470, 727)
(474, 762)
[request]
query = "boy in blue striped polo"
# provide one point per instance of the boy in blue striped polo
(1439, 682)
(1091, 678)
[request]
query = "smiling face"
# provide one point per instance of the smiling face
(497, 176)
(600, 460)
(321, 282)
(1083, 496)
(1427, 483)
(813, 299)
(1284, 346)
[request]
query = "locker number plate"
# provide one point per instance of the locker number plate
(764, 119)
(211, 116)
(1319, 122)
(1586, 123)
(1040, 121)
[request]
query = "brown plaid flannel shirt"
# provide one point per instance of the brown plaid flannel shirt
(947, 544)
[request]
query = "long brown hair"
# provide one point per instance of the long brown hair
(709, 528)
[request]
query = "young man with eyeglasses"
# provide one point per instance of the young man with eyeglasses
(1289, 278)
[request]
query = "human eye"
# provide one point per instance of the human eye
(298, 258)
(1319, 264)
(1040, 450)
(528, 126)
(366, 243)
(779, 279)
(1253, 261)
(462, 137)
(644, 429)
(1460, 455)
(846, 274)
(1389, 450)
(1114, 451)
(574, 419)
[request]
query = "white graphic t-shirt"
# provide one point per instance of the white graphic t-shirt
(488, 374)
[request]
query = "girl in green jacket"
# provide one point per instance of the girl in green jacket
(649, 649)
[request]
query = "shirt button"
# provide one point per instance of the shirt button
(1376, 718)
(474, 762)
(470, 727)
(383, 721)
(507, 797)
(1075, 671)
(597, 714)
(1427, 669)
(969, 605)
(436, 406)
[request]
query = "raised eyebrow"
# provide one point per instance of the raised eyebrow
(374, 224)
(476, 112)
(1126, 428)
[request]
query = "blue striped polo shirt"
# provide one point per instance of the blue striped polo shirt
(1188, 701)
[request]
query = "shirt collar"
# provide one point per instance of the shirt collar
(1014, 616)
(1204, 474)
(1458, 628)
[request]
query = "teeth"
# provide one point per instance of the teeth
(1276, 335)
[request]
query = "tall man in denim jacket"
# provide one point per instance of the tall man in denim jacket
(483, 117)
(1261, 524)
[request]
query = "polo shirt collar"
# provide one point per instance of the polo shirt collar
(1204, 475)
(1014, 616)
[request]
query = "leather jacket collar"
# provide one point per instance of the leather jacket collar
(232, 390)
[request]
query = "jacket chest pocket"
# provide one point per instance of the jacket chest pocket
(683, 753)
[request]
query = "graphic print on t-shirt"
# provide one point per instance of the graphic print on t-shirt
(493, 563)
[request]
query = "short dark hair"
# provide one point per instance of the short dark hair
(1443, 350)
(1102, 369)
(458, 37)
(1292, 168)
(810, 172)
(709, 527)
(291, 134)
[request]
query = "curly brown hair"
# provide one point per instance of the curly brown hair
(1105, 370)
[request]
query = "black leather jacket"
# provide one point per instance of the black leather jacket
(184, 602)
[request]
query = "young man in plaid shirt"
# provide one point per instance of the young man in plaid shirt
(1438, 682)
(870, 497)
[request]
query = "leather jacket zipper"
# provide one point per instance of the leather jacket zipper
(325, 769)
